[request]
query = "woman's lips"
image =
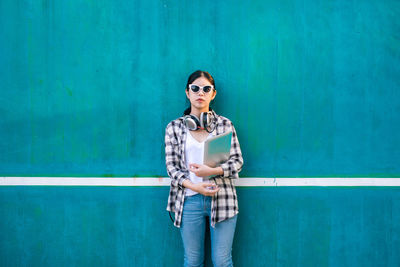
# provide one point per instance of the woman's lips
(200, 100)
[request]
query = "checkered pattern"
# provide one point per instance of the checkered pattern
(224, 204)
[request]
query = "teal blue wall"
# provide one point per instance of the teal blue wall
(87, 88)
(128, 226)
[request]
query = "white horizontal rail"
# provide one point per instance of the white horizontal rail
(165, 181)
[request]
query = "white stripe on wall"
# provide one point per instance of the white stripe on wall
(165, 181)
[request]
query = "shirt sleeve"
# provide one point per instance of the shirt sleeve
(234, 164)
(172, 157)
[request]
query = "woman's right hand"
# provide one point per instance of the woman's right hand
(203, 189)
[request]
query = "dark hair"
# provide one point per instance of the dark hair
(192, 78)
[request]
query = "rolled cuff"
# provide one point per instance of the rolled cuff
(226, 168)
(181, 178)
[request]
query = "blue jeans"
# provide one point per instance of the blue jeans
(195, 210)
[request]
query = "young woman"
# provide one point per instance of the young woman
(192, 197)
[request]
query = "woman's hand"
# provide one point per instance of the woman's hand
(204, 188)
(201, 170)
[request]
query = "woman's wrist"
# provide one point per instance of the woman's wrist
(188, 184)
(218, 171)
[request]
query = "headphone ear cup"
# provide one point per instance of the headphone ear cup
(192, 122)
(207, 120)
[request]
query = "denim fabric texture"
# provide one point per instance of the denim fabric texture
(196, 210)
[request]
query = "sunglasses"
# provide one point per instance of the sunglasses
(206, 88)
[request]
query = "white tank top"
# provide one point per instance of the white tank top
(194, 152)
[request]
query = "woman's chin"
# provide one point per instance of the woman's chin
(200, 105)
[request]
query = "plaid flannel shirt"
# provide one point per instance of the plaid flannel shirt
(224, 203)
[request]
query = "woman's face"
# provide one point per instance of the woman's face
(200, 100)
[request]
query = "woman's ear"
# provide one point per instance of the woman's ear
(187, 93)
(214, 94)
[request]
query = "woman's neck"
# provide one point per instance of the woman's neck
(197, 112)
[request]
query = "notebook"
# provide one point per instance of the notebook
(217, 149)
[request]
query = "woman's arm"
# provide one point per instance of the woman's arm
(233, 165)
(171, 156)
(204, 170)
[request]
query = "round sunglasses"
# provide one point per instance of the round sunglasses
(196, 88)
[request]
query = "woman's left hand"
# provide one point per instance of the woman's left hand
(201, 170)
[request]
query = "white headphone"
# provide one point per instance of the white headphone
(207, 121)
